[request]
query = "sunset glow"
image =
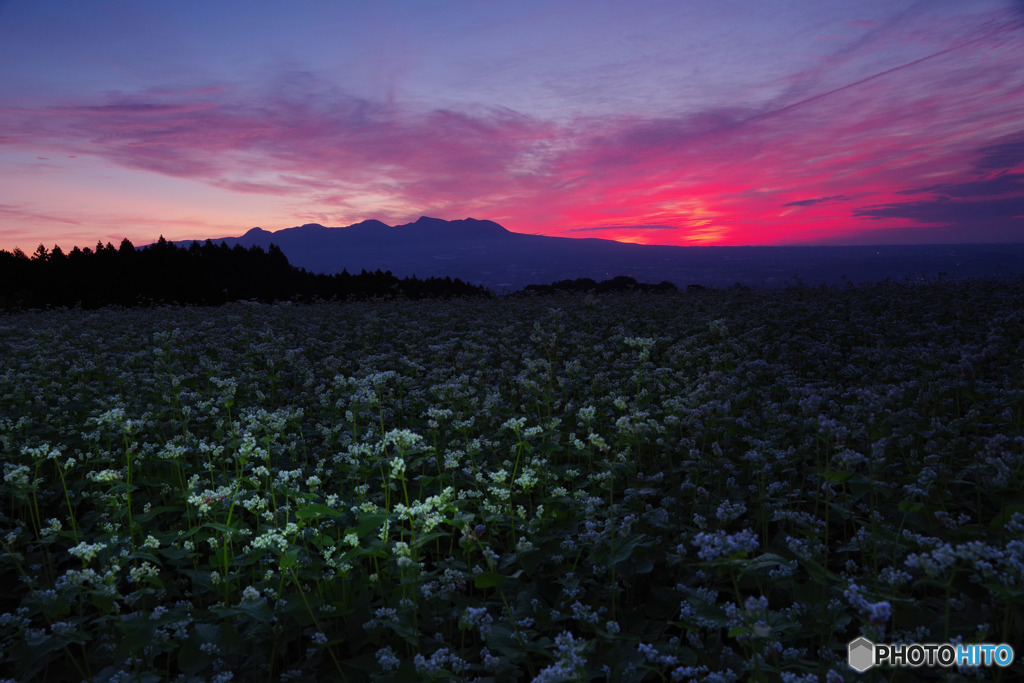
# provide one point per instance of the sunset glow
(650, 122)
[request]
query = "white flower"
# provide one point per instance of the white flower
(402, 439)
(719, 544)
(387, 659)
(86, 552)
(397, 467)
(146, 569)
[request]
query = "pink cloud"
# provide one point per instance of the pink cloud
(22, 213)
(806, 166)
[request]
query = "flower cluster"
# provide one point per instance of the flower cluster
(684, 487)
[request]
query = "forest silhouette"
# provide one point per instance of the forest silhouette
(619, 283)
(200, 274)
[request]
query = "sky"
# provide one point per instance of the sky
(681, 122)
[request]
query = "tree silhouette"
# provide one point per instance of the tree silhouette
(621, 283)
(201, 274)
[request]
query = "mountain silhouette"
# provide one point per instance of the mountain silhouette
(485, 253)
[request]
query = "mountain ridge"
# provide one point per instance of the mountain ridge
(485, 252)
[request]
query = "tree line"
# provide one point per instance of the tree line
(199, 274)
(620, 283)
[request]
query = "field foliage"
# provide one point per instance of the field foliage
(721, 485)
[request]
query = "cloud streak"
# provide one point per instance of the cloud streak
(21, 213)
(816, 200)
(819, 158)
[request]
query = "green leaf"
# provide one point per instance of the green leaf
(136, 633)
(156, 512)
(174, 552)
(624, 550)
(367, 523)
(257, 610)
(836, 476)
(818, 573)
(488, 579)
(765, 561)
(430, 538)
(1006, 514)
(207, 633)
(142, 555)
(406, 631)
(102, 601)
(317, 510)
(502, 638)
(289, 559)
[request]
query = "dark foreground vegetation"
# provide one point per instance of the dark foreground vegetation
(724, 487)
(203, 274)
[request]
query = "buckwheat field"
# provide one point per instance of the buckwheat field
(717, 486)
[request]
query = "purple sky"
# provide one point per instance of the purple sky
(680, 122)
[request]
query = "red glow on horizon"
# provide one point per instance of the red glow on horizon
(850, 164)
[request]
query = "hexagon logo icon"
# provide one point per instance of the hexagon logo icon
(861, 654)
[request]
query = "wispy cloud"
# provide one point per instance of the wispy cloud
(990, 210)
(1007, 153)
(1010, 183)
(23, 213)
(622, 228)
(993, 220)
(309, 137)
(816, 200)
(839, 144)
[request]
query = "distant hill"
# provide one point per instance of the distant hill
(483, 252)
